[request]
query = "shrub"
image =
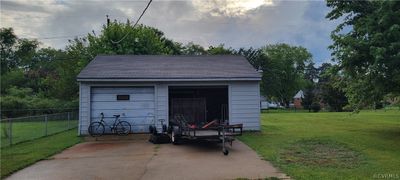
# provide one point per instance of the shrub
(21, 102)
(378, 105)
(315, 107)
(10, 103)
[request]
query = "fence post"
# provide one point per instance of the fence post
(10, 131)
(68, 118)
(45, 121)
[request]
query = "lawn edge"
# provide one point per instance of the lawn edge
(41, 159)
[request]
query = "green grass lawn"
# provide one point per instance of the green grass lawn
(18, 156)
(23, 131)
(329, 145)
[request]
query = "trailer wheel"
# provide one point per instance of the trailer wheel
(226, 152)
(175, 135)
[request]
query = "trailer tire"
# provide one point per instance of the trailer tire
(226, 152)
(175, 135)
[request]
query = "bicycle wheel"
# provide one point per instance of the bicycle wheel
(96, 129)
(123, 128)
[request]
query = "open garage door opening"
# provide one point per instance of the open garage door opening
(199, 105)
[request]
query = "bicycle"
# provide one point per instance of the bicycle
(97, 128)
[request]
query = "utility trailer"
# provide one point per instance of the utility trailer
(214, 131)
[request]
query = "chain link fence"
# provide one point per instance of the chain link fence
(16, 130)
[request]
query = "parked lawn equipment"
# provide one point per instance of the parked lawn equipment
(159, 137)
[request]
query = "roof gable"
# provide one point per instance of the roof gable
(168, 67)
(299, 94)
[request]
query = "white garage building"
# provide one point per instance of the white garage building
(151, 87)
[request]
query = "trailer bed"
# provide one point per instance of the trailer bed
(208, 133)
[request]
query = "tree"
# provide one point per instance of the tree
(310, 92)
(309, 97)
(16, 56)
(366, 48)
(33, 77)
(283, 70)
(15, 52)
(252, 55)
(123, 38)
(7, 43)
(219, 50)
(311, 73)
(329, 87)
(193, 49)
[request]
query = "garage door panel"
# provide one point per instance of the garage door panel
(138, 110)
(113, 97)
(124, 113)
(141, 128)
(133, 90)
(124, 105)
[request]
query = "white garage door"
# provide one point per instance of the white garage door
(134, 104)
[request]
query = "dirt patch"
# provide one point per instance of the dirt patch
(321, 153)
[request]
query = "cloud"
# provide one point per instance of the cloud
(237, 24)
(229, 7)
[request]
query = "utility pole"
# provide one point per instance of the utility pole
(108, 20)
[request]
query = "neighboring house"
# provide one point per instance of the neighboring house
(297, 99)
(143, 88)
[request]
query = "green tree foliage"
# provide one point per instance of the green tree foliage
(16, 101)
(283, 70)
(14, 52)
(119, 38)
(311, 73)
(220, 50)
(193, 49)
(252, 55)
(309, 97)
(33, 77)
(329, 84)
(366, 48)
(7, 43)
(12, 78)
(123, 38)
(312, 93)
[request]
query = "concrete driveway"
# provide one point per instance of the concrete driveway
(135, 158)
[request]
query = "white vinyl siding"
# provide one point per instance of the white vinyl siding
(245, 104)
(84, 108)
(162, 103)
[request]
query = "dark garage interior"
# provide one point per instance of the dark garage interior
(199, 104)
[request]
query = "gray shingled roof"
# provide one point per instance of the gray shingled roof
(168, 67)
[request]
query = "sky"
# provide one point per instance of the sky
(246, 23)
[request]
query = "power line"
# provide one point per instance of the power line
(137, 21)
(55, 37)
(61, 37)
